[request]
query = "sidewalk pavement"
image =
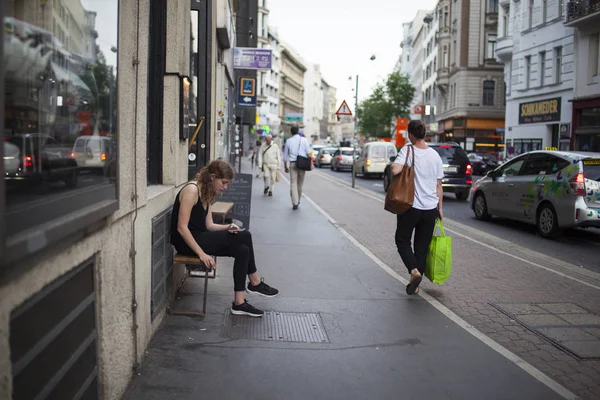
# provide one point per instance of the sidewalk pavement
(341, 328)
(543, 310)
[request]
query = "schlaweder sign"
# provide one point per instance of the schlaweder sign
(540, 111)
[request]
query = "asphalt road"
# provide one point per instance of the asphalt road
(580, 247)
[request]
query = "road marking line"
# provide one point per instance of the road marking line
(524, 365)
(532, 263)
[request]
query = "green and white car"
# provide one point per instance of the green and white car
(552, 189)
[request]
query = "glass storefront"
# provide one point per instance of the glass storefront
(60, 126)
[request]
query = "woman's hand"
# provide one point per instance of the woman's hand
(207, 260)
(233, 228)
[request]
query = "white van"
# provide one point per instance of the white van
(374, 158)
(92, 152)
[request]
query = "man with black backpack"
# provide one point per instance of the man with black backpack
(269, 163)
(296, 157)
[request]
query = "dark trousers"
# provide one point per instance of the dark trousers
(422, 222)
(225, 244)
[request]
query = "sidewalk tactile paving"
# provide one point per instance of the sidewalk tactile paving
(566, 325)
(276, 326)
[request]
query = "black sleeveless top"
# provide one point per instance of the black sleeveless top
(197, 222)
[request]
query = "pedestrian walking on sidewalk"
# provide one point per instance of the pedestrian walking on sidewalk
(254, 158)
(194, 233)
(427, 204)
(295, 146)
(269, 162)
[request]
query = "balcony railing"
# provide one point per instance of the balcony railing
(581, 8)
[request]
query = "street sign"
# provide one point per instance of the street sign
(418, 109)
(293, 117)
(251, 58)
(344, 109)
(247, 92)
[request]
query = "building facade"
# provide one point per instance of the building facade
(430, 60)
(585, 126)
(537, 50)
(291, 92)
(86, 266)
(411, 59)
(268, 81)
(470, 80)
(314, 100)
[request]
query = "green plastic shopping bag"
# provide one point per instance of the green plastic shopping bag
(439, 258)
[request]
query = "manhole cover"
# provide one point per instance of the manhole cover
(278, 326)
(566, 325)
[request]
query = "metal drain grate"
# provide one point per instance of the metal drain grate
(276, 326)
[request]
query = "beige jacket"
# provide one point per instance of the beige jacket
(270, 157)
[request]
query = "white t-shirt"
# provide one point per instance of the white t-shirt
(428, 169)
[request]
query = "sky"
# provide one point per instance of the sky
(341, 36)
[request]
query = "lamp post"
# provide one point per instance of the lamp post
(372, 58)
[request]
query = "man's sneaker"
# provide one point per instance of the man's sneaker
(266, 190)
(246, 309)
(262, 288)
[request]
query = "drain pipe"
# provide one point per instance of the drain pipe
(134, 196)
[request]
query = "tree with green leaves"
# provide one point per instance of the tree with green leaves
(388, 101)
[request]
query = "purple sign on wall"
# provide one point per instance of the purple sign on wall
(251, 58)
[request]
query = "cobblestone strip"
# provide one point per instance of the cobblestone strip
(480, 276)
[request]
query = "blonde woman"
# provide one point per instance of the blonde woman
(194, 233)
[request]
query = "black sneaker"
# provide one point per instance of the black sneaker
(262, 288)
(266, 190)
(270, 193)
(246, 309)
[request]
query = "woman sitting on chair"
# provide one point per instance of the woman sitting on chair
(193, 233)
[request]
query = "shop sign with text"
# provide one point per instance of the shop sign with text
(540, 111)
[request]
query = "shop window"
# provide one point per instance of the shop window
(525, 145)
(53, 99)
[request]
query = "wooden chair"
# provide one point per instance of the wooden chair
(191, 261)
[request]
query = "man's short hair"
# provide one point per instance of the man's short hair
(294, 130)
(417, 128)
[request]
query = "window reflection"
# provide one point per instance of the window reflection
(60, 98)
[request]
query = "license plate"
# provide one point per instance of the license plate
(450, 169)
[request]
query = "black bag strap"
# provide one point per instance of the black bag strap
(265, 150)
(299, 144)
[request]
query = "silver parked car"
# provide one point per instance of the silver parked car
(552, 189)
(343, 158)
(324, 156)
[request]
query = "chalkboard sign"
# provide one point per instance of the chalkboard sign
(239, 192)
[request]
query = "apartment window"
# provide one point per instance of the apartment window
(544, 11)
(561, 7)
(55, 118)
(557, 64)
(454, 51)
(509, 81)
(435, 64)
(542, 58)
(530, 14)
(505, 20)
(594, 54)
(445, 57)
(446, 18)
(488, 93)
(491, 47)
(527, 71)
(493, 6)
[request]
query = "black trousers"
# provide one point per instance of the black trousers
(225, 244)
(422, 222)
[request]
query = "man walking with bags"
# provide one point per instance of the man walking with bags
(296, 155)
(269, 163)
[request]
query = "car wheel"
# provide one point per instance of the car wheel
(71, 180)
(547, 221)
(480, 208)
(386, 181)
(462, 196)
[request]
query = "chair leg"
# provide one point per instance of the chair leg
(205, 295)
